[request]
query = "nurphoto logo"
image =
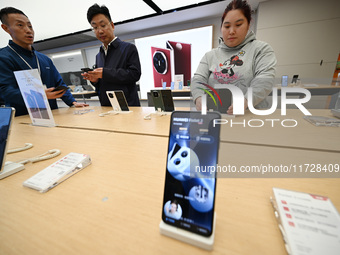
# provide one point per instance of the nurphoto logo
(238, 102)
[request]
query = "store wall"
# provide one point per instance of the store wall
(305, 36)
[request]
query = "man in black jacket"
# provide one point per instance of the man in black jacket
(118, 66)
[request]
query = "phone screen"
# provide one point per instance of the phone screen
(121, 100)
(284, 82)
(60, 88)
(295, 77)
(6, 115)
(167, 100)
(189, 192)
(86, 69)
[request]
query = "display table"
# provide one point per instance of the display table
(114, 205)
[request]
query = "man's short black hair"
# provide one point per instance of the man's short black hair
(96, 9)
(8, 10)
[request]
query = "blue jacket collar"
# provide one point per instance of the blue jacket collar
(20, 49)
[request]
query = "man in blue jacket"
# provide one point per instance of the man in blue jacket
(118, 66)
(20, 55)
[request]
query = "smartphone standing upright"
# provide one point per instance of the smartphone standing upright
(157, 100)
(190, 187)
(121, 100)
(284, 81)
(113, 100)
(162, 100)
(295, 77)
(117, 100)
(6, 116)
(168, 102)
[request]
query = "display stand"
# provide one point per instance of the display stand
(162, 113)
(206, 243)
(11, 168)
(113, 113)
(122, 112)
(157, 113)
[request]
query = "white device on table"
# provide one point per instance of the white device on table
(113, 100)
(58, 172)
(118, 101)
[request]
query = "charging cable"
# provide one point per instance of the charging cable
(26, 147)
(47, 155)
(14, 167)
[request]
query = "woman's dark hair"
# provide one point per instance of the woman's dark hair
(96, 9)
(241, 5)
(8, 10)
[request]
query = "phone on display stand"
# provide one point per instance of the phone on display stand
(121, 100)
(284, 81)
(118, 101)
(189, 190)
(7, 168)
(295, 78)
(168, 101)
(157, 100)
(163, 100)
(113, 100)
(6, 116)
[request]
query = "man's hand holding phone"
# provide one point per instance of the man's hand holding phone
(92, 75)
(53, 93)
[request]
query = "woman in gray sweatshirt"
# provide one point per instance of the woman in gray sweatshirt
(240, 60)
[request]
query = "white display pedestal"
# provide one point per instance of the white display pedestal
(206, 243)
(122, 112)
(11, 168)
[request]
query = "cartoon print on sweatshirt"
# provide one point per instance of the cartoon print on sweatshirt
(227, 74)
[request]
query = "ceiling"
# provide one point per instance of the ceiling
(63, 22)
